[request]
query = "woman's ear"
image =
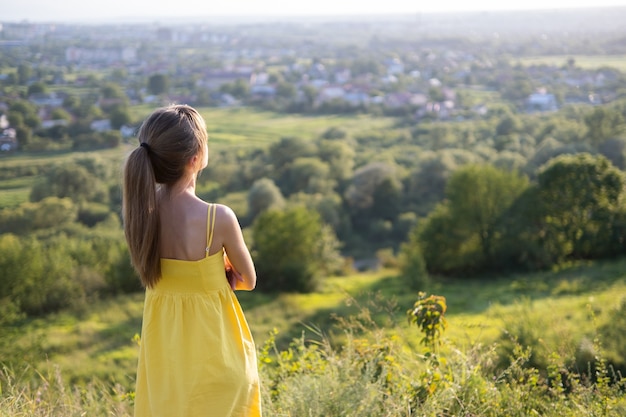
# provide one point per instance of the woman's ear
(193, 163)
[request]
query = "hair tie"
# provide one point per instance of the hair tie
(145, 145)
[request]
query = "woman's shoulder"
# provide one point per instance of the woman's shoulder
(224, 212)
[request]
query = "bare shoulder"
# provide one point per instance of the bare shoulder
(225, 213)
(226, 219)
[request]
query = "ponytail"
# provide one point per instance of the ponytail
(141, 216)
(168, 139)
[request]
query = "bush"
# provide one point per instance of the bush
(412, 264)
(292, 249)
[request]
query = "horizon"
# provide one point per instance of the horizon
(100, 11)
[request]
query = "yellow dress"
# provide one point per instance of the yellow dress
(197, 357)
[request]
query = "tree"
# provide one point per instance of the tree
(239, 88)
(603, 123)
(412, 264)
(307, 174)
(36, 88)
(60, 114)
(426, 184)
(119, 116)
(112, 91)
(24, 73)
(291, 249)
(338, 155)
(508, 124)
(287, 149)
(264, 195)
(463, 232)
(72, 181)
(27, 112)
(286, 90)
(366, 196)
(158, 84)
(580, 198)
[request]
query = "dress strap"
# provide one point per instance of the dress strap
(210, 223)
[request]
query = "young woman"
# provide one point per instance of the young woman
(197, 356)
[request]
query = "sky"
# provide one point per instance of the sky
(109, 10)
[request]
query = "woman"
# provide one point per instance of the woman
(197, 356)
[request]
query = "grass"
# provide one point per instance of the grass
(583, 61)
(13, 197)
(87, 359)
(244, 126)
(101, 338)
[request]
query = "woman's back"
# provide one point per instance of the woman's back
(197, 355)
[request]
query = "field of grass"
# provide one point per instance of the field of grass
(320, 353)
(14, 191)
(237, 127)
(228, 128)
(101, 339)
(582, 61)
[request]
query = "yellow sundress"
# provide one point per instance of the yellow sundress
(197, 357)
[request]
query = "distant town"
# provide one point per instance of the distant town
(406, 68)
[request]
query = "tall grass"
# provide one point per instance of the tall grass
(349, 350)
(48, 395)
(371, 373)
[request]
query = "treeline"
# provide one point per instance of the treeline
(68, 126)
(470, 197)
(64, 247)
(493, 220)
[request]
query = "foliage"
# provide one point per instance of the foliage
(428, 314)
(463, 232)
(412, 264)
(574, 211)
(263, 195)
(50, 396)
(158, 84)
(364, 364)
(45, 275)
(291, 249)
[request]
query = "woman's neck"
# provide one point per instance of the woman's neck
(185, 186)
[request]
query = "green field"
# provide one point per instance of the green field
(559, 303)
(326, 350)
(583, 61)
(228, 129)
(245, 126)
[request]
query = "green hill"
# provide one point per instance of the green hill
(551, 315)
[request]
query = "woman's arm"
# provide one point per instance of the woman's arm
(227, 226)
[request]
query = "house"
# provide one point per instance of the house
(213, 80)
(394, 66)
(357, 97)
(397, 100)
(46, 124)
(342, 76)
(101, 125)
(263, 90)
(127, 131)
(4, 121)
(541, 101)
(330, 93)
(8, 140)
(47, 99)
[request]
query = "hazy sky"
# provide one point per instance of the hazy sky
(99, 10)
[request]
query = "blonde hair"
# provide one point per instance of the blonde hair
(169, 138)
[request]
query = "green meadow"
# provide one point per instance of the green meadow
(348, 350)
(583, 61)
(241, 127)
(564, 306)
